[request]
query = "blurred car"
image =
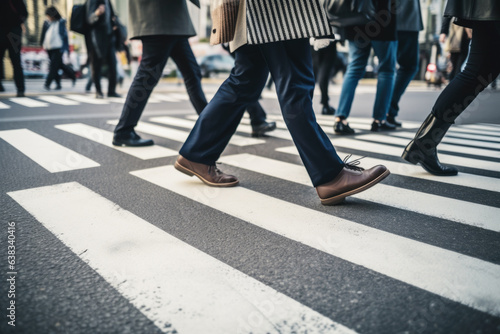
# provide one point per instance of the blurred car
(214, 64)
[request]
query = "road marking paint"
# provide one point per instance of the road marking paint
(463, 212)
(28, 102)
(406, 169)
(485, 127)
(45, 152)
(244, 128)
(353, 144)
(451, 140)
(4, 106)
(58, 100)
(442, 147)
(180, 285)
(182, 97)
(106, 138)
(464, 279)
(86, 99)
(165, 98)
(184, 123)
(495, 135)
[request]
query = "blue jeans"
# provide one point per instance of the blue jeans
(358, 58)
(290, 65)
(408, 65)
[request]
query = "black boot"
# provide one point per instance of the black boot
(422, 149)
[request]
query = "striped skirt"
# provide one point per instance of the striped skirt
(280, 20)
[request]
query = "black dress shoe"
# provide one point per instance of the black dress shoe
(260, 130)
(99, 95)
(114, 95)
(392, 120)
(342, 129)
(131, 139)
(20, 94)
(328, 110)
(58, 87)
(382, 126)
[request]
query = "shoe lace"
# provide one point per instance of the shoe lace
(354, 164)
(217, 170)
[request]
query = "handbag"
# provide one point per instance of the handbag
(78, 21)
(345, 13)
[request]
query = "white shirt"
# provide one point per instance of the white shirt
(52, 38)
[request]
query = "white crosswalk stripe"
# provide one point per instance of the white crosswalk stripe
(58, 100)
(486, 127)
(189, 290)
(213, 297)
(431, 205)
(451, 140)
(106, 138)
(47, 153)
(402, 142)
(181, 136)
(472, 136)
(166, 98)
(405, 169)
(493, 133)
(4, 106)
(28, 102)
(244, 128)
(86, 99)
(433, 269)
(397, 151)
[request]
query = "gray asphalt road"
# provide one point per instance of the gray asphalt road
(110, 241)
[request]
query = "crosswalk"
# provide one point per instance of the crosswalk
(46, 101)
(190, 290)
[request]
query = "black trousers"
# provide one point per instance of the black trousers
(56, 63)
(97, 63)
(11, 39)
(323, 64)
(155, 52)
(482, 67)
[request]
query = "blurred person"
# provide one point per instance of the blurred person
(164, 29)
(456, 39)
(13, 14)
(482, 67)
(407, 53)
(380, 36)
(262, 44)
(101, 42)
(324, 60)
(54, 40)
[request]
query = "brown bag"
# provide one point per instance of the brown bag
(224, 16)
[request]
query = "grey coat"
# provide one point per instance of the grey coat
(409, 16)
(160, 17)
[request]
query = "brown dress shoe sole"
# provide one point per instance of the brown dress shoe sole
(339, 198)
(189, 172)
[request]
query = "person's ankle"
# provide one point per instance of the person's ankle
(341, 119)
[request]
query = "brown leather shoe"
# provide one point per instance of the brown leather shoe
(350, 181)
(210, 175)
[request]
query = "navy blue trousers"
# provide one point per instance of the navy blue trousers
(290, 65)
